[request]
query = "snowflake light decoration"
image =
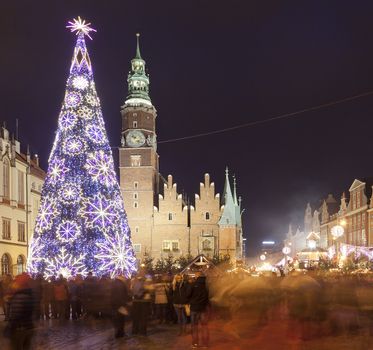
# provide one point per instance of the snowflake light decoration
(79, 26)
(70, 193)
(73, 99)
(100, 167)
(73, 145)
(80, 82)
(99, 212)
(68, 120)
(46, 215)
(96, 134)
(68, 231)
(115, 255)
(91, 100)
(57, 170)
(66, 265)
(85, 113)
(34, 255)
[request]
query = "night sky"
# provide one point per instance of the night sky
(212, 65)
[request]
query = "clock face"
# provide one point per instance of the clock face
(135, 138)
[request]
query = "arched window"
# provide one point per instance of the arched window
(6, 180)
(5, 264)
(20, 264)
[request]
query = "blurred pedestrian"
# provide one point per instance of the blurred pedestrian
(21, 307)
(140, 306)
(6, 286)
(199, 312)
(180, 300)
(46, 297)
(61, 297)
(120, 298)
(160, 300)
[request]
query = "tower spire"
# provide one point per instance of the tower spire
(138, 81)
(235, 190)
(138, 54)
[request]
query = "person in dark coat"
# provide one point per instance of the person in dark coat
(180, 290)
(199, 311)
(140, 305)
(119, 298)
(21, 307)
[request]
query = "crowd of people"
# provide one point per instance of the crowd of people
(311, 304)
(163, 298)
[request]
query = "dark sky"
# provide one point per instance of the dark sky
(212, 64)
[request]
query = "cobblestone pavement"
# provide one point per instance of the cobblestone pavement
(232, 335)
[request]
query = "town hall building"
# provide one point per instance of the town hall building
(162, 222)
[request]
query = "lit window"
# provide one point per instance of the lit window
(20, 264)
(6, 228)
(166, 245)
(137, 248)
(135, 160)
(134, 124)
(175, 246)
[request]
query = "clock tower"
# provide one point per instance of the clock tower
(138, 157)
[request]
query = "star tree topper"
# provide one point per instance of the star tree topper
(79, 26)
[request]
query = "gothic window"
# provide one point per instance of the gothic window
(20, 264)
(21, 232)
(134, 124)
(207, 216)
(169, 216)
(6, 228)
(5, 264)
(21, 187)
(6, 179)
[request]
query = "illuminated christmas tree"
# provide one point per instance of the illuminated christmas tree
(81, 225)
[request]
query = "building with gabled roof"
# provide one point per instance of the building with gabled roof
(162, 221)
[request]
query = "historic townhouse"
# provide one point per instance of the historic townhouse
(21, 179)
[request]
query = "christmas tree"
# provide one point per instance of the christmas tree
(81, 225)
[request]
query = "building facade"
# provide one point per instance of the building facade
(161, 221)
(354, 212)
(21, 180)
